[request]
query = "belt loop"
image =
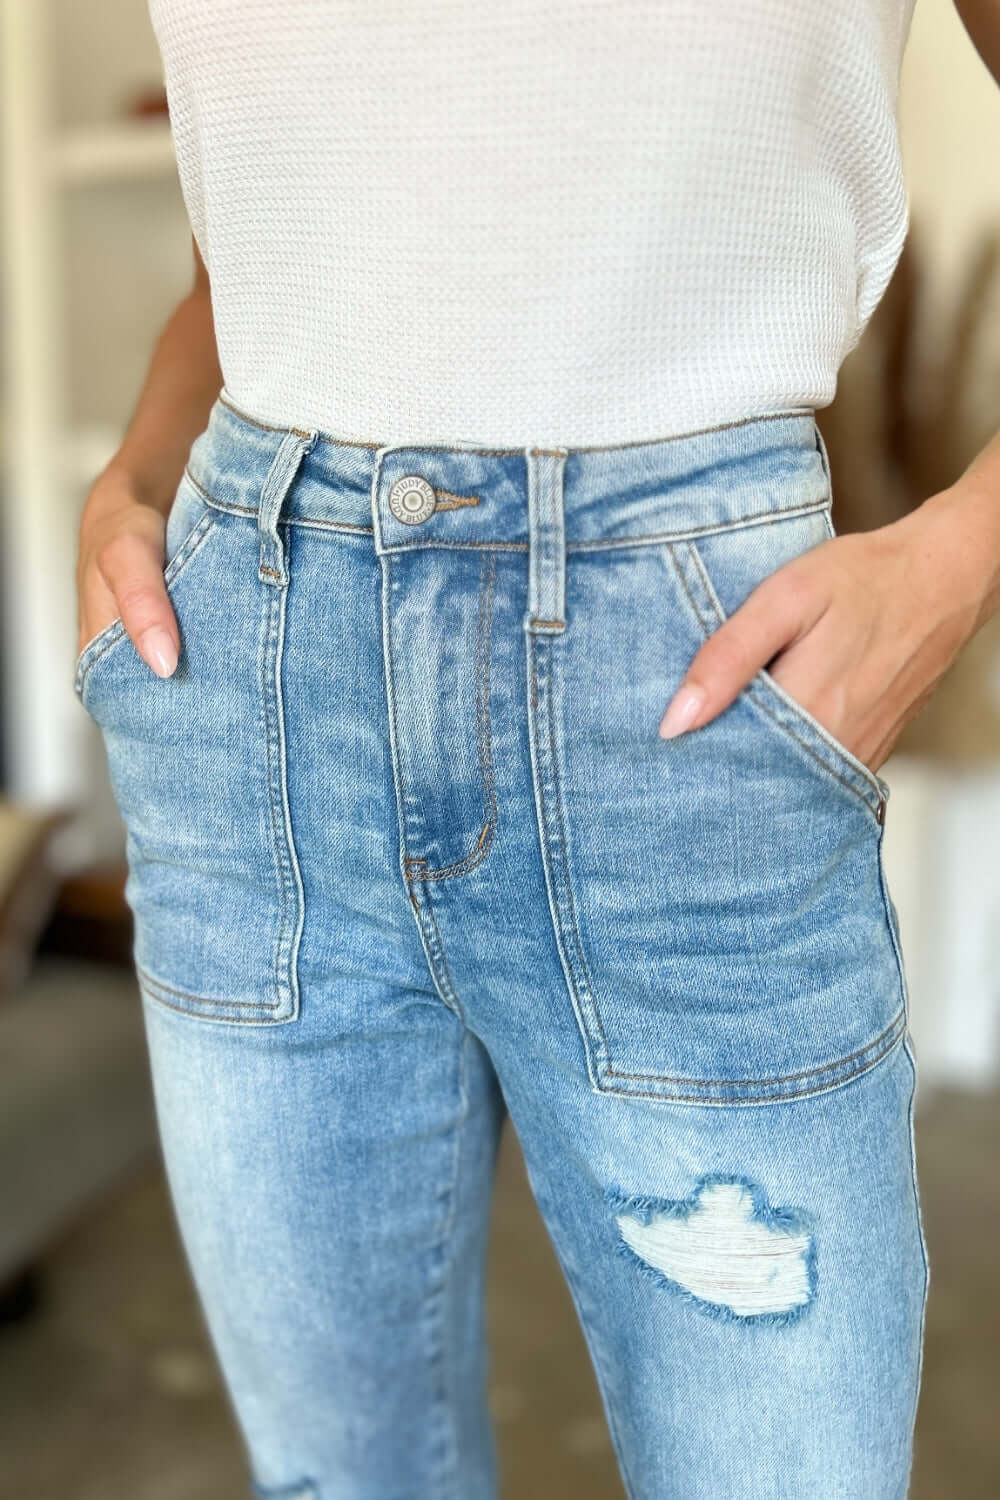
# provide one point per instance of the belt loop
(284, 467)
(546, 612)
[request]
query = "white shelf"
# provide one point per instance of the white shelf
(112, 152)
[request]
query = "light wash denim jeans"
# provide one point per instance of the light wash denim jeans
(406, 853)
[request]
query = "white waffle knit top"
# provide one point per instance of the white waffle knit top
(570, 222)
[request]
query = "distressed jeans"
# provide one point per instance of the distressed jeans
(407, 855)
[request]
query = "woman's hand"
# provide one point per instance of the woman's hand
(859, 630)
(120, 572)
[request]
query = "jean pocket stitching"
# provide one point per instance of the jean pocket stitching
(288, 877)
(765, 685)
(159, 989)
(274, 999)
(823, 1078)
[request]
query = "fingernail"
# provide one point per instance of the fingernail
(682, 710)
(159, 651)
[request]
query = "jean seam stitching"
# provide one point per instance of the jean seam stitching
(393, 723)
(730, 1101)
(313, 523)
(151, 982)
(884, 1036)
(738, 523)
(437, 960)
(761, 687)
(446, 1405)
(578, 975)
(541, 803)
(483, 743)
(426, 922)
(504, 544)
(230, 507)
(460, 867)
(446, 546)
(905, 993)
(287, 874)
(501, 544)
(268, 639)
(921, 1234)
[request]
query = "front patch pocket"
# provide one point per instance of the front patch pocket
(197, 767)
(719, 898)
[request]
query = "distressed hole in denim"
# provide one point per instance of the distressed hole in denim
(304, 1490)
(725, 1248)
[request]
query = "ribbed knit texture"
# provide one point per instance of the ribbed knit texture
(537, 221)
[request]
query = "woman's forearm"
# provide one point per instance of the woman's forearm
(123, 522)
(970, 510)
(182, 381)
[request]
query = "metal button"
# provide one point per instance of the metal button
(412, 499)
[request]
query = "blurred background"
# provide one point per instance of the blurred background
(108, 1389)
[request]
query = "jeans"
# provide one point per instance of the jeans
(406, 854)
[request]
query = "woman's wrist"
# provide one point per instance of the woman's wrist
(957, 533)
(119, 486)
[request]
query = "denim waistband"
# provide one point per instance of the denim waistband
(740, 473)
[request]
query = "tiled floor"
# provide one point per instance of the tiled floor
(109, 1392)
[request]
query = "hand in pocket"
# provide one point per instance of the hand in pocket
(857, 630)
(119, 574)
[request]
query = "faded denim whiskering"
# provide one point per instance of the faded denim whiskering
(406, 852)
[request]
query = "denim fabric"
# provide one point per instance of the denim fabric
(406, 853)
